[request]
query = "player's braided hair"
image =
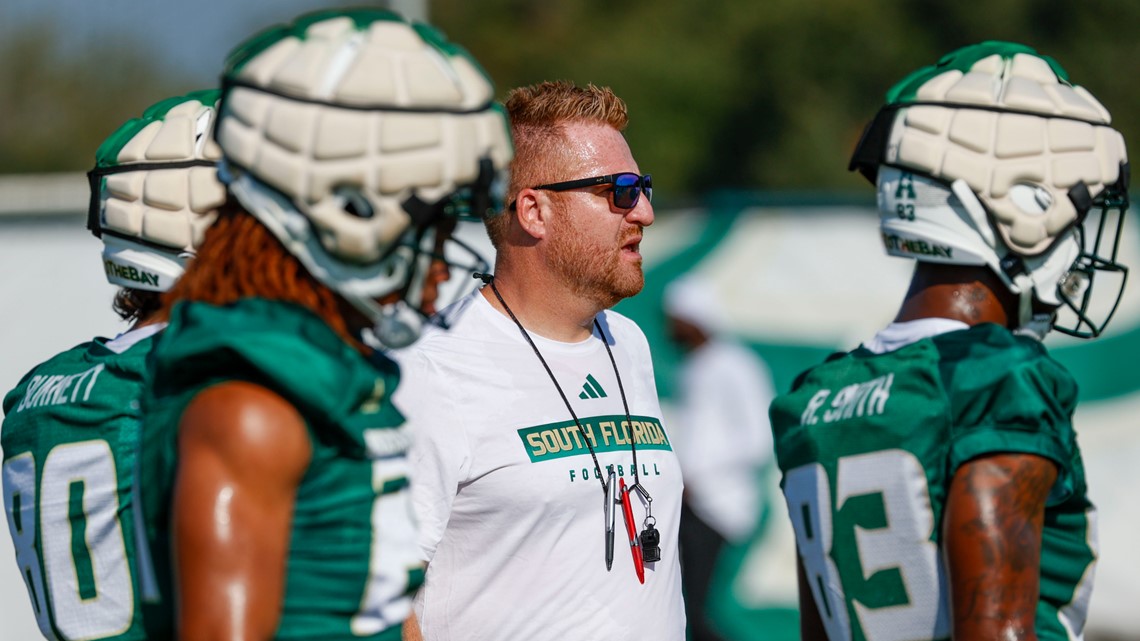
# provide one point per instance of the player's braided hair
(240, 258)
(136, 304)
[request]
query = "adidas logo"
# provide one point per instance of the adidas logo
(591, 389)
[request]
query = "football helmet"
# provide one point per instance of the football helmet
(155, 190)
(353, 136)
(993, 157)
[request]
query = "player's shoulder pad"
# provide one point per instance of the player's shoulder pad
(989, 352)
(990, 361)
(282, 346)
(800, 378)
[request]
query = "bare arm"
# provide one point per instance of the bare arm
(242, 453)
(411, 630)
(994, 516)
(811, 626)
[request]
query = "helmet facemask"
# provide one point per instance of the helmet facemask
(427, 250)
(1086, 310)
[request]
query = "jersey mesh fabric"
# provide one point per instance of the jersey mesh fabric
(343, 398)
(86, 397)
(940, 401)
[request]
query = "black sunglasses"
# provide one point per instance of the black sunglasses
(626, 190)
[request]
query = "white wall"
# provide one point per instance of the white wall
(53, 296)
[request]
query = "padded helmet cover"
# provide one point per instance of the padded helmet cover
(995, 153)
(155, 190)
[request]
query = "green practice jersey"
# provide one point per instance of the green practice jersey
(352, 562)
(868, 445)
(70, 434)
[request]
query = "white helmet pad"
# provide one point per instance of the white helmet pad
(994, 152)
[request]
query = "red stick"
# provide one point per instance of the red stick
(634, 545)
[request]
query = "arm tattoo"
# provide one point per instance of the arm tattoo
(975, 297)
(995, 513)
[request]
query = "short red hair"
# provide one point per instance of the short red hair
(538, 115)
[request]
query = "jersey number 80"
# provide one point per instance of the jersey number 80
(84, 559)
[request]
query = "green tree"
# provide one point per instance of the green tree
(723, 94)
(774, 94)
(57, 108)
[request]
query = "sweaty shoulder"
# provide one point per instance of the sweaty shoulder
(1006, 394)
(250, 427)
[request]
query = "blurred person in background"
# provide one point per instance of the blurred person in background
(539, 453)
(72, 425)
(933, 475)
(273, 466)
(724, 443)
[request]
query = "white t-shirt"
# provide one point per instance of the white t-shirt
(128, 339)
(509, 506)
(898, 335)
(722, 435)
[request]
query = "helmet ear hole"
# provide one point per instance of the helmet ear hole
(353, 202)
(1031, 199)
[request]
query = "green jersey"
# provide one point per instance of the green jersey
(868, 444)
(352, 562)
(70, 434)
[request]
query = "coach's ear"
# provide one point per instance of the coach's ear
(533, 209)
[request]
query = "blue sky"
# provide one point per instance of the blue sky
(188, 36)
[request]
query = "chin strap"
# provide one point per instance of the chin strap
(975, 209)
(1035, 326)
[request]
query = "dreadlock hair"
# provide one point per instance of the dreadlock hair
(136, 304)
(240, 258)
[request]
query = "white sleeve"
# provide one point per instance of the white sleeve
(439, 457)
(727, 396)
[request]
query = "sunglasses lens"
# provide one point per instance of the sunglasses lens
(627, 189)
